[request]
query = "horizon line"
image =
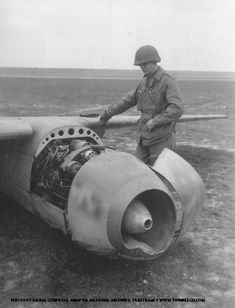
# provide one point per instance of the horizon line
(108, 69)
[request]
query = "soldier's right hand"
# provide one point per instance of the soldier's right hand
(104, 118)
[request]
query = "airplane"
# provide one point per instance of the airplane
(107, 201)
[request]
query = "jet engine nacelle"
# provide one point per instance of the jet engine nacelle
(108, 201)
(118, 206)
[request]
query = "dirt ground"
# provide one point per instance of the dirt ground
(37, 261)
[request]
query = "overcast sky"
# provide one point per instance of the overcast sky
(189, 34)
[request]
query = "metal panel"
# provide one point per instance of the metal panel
(14, 129)
(100, 194)
(186, 182)
(53, 215)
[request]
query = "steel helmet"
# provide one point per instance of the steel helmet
(146, 54)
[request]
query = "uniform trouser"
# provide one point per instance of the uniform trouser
(149, 154)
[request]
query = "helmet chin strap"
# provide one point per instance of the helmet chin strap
(152, 74)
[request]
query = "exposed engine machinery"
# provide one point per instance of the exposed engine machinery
(56, 166)
(106, 200)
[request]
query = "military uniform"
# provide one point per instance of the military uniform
(159, 99)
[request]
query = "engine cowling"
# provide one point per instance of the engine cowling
(113, 203)
(119, 206)
(109, 201)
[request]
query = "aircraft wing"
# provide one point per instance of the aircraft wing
(18, 128)
(131, 120)
(189, 118)
(14, 129)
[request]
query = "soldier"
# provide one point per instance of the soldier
(159, 100)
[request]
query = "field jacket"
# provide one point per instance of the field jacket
(161, 101)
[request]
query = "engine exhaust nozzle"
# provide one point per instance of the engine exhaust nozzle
(137, 218)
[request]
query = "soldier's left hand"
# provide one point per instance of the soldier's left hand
(149, 125)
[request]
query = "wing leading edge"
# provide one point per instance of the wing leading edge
(14, 129)
(129, 120)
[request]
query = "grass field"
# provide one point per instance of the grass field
(37, 261)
